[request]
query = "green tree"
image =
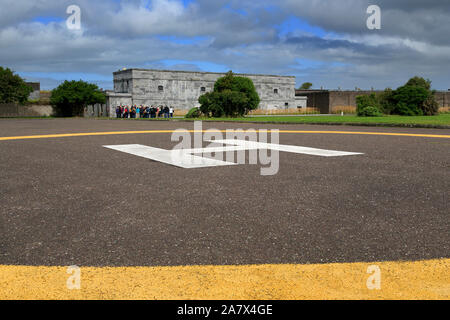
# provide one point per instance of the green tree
(13, 88)
(419, 82)
(232, 96)
(415, 98)
(211, 104)
(306, 86)
(71, 97)
(410, 100)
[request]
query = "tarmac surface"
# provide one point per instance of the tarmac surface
(70, 201)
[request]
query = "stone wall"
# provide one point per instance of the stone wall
(15, 110)
(181, 89)
(96, 110)
(443, 99)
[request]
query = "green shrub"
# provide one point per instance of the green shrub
(386, 101)
(369, 112)
(415, 98)
(419, 82)
(193, 113)
(210, 104)
(430, 106)
(362, 102)
(232, 96)
(410, 100)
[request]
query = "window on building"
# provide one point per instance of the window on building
(275, 91)
(160, 88)
(286, 104)
(202, 89)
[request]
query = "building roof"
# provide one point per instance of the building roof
(199, 72)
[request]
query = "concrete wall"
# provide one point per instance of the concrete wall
(301, 102)
(14, 110)
(181, 89)
(443, 98)
(346, 98)
(319, 99)
(96, 110)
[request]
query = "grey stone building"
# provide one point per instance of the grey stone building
(181, 89)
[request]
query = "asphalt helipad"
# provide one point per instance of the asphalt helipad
(144, 229)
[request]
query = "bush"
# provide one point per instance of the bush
(410, 100)
(210, 104)
(232, 96)
(386, 101)
(430, 106)
(13, 88)
(419, 82)
(369, 112)
(71, 97)
(415, 98)
(193, 113)
(363, 102)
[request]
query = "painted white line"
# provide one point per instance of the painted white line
(178, 158)
(286, 148)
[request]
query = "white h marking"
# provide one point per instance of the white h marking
(186, 158)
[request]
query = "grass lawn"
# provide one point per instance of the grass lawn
(442, 120)
(439, 121)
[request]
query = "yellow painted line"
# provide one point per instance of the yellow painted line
(84, 134)
(428, 279)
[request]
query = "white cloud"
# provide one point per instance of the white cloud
(240, 35)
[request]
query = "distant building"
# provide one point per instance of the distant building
(181, 89)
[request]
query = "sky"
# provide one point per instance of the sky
(323, 42)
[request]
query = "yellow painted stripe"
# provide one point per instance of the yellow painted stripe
(84, 134)
(399, 280)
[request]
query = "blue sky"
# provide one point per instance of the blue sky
(323, 42)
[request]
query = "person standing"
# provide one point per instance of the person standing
(153, 112)
(118, 114)
(145, 112)
(166, 112)
(125, 112)
(138, 111)
(171, 111)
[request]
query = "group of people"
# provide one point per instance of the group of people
(144, 111)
